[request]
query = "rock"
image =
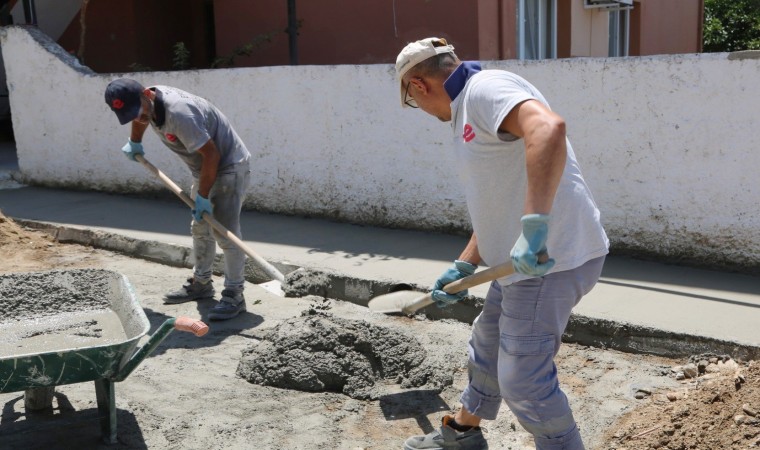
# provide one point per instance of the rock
(672, 396)
(749, 410)
(690, 370)
(729, 365)
(739, 419)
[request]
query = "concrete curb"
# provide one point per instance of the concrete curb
(594, 332)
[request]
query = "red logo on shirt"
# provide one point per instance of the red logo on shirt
(171, 137)
(468, 133)
(117, 104)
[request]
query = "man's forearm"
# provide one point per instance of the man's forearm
(471, 254)
(138, 131)
(546, 154)
(209, 168)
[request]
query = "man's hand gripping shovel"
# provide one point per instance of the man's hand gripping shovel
(407, 302)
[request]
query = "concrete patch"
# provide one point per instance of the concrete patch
(319, 352)
(57, 310)
(593, 331)
(30, 295)
(301, 283)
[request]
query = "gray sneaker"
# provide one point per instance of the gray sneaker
(190, 291)
(448, 438)
(231, 304)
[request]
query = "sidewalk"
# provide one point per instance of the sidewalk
(637, 306)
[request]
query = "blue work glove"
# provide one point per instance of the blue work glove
(459, 269)
(529, 252)
(132, 149)
(202, 204)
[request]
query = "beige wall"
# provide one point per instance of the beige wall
(344, 32)
(120, 34)
(590, 31)
(657, 27)
(667, 26)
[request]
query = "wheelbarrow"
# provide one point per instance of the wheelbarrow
(72, 326)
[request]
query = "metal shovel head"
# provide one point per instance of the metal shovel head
(395, 302)
(273, 286)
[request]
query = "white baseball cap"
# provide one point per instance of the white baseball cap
(416, 52)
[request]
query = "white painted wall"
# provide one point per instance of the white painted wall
(668, 144)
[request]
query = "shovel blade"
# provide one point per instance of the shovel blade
(399, 302)
(273, 286)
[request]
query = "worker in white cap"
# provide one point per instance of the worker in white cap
(529, 204)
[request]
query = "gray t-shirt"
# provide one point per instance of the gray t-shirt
(186, 122)
(492, 168)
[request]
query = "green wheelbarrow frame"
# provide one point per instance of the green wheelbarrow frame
(38, 373)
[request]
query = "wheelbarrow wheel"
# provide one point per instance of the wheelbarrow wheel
(39, 398)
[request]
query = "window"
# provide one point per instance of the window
(619, 26)
(537, 29)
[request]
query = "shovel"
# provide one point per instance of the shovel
(275, 285)
(408, 302)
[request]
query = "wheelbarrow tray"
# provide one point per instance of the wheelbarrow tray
(70, 301)
(62, 327)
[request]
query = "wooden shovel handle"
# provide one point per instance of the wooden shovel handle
(484, 276)
(268, 268)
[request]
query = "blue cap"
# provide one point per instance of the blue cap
(123, 96)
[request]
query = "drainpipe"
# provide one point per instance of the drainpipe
(292, 32)
(30, 12)
(701, 28)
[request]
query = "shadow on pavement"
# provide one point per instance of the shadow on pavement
(62, 427)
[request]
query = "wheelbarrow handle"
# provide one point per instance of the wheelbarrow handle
(194, 326)
(197, 327)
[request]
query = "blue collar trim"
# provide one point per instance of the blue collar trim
(456, 81)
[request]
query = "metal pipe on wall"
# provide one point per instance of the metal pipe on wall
(30, 12)
(292, 33)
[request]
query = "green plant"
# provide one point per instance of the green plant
(137, 67)
(243, 50)
(181, 60)
(731, 25)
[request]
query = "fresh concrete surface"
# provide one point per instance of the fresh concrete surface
(637, 306)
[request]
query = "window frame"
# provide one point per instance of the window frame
(546, 33)
(619, 32)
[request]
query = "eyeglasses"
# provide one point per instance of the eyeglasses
(408, 101)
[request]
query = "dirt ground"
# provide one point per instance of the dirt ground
(187, 393)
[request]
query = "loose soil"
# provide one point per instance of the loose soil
(188, 393)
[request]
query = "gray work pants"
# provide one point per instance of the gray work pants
(226, 198)
(514, 341)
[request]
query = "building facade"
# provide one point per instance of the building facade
(143, 34)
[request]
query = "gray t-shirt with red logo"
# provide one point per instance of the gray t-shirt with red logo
(185, 123)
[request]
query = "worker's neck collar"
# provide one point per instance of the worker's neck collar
(458, 78)
(159, 111)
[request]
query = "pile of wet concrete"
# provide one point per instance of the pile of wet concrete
(57, 310)
(26, 295)
(318, 352)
